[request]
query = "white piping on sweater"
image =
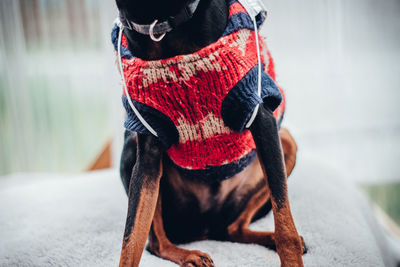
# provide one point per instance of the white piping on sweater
(253, 8)
(137, 113)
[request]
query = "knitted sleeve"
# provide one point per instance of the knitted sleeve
(165, 128)
(242, 99)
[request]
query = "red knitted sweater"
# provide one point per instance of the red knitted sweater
(194, 91)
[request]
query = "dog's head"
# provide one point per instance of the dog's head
(194, 24)
(145, 12)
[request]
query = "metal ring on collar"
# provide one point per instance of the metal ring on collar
(155, 39)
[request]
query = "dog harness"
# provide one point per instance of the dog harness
(200, 103)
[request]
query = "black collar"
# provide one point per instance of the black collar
(159, 28)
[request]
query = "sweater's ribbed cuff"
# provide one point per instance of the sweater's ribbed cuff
(167, 132)
(239, 104)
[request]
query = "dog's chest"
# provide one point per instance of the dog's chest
(211, 197)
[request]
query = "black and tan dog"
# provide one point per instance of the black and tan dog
(169, 207)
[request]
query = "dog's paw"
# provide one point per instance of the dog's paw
(197, 259)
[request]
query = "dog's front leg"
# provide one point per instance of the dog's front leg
(143, 194)
(265, 134)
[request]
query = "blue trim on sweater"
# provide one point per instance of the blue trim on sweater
(125, 52)
(217, 173)
(242, 21)
(239, 103)
(162, 124)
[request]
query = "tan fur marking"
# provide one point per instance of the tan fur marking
(287, 241)
(161, 246)
(133, 245)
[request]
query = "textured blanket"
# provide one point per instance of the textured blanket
(78, 220)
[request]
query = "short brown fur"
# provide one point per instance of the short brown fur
(237, 231)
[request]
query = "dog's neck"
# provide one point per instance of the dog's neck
(205, 27)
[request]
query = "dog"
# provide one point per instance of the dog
(172, 204)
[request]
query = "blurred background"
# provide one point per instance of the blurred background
(60, 94)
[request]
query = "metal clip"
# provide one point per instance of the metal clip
(155, 39)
